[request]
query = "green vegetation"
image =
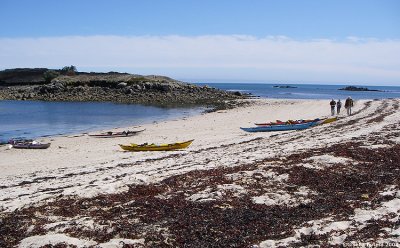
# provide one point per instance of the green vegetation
(69, 70)
(50, 75)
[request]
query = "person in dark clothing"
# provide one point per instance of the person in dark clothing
(333, 104)
(348, 105)
(338, 106)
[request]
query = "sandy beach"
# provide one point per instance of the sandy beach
(333, 184)
(208, 130)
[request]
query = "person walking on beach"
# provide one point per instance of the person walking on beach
(333, 104)
(348, 105)
(338, 106)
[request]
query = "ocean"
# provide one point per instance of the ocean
(33, 119)
(308, 91)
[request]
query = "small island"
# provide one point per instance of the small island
(353, 88)
(284, 86)
(67, 84)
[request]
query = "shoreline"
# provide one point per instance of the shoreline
(181, 111)
(275, 189)
(178, 113)
(240, 103)
(151, 135)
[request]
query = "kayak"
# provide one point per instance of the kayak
(278, 122)
(286, 127)
(329, 120)
(31, 145)
(19, 141)
(154, 147)
(116, 134)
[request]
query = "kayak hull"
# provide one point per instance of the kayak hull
(273, 128)
(116, 135)
(152, 147)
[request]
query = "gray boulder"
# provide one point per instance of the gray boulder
(122, 85)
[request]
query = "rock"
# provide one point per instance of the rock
(122, 85)
(353, 88)
(147, 86)
(59, 85)
(43, 90)
(165, 88)
(285, 86)
(128, 91)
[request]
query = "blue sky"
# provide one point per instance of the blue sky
(326, 41)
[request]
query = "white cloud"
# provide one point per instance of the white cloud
(232, 57)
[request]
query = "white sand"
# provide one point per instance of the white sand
(213, 129)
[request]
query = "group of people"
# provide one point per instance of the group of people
(338, 105)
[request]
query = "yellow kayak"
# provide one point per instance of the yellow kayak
(329, 120)
(154, 147)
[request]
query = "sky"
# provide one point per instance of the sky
(288, 41)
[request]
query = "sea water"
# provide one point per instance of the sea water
(33, 119)
(308, 91)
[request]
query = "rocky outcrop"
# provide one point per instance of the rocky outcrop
(353, 88)
(285, 87)
(113, 87)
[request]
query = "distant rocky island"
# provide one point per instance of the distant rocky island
(68, 84)
(353, 88)
(284, 86)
